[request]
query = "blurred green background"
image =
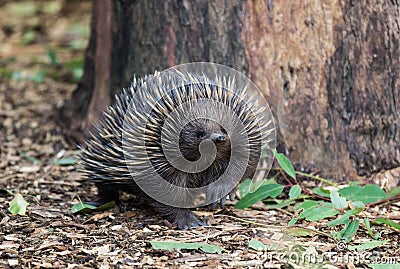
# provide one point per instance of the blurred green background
(43, 39)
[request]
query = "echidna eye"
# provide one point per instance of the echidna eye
(201, 135)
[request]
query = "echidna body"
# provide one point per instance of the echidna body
(128, 147)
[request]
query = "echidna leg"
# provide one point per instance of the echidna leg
(222, 201)
(182, 218)
(231, 194)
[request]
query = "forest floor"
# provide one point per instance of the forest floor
(41, 52)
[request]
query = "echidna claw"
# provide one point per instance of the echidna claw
(222, 202)
(232, 195)
(199, 223)
(194, 224)
(185, 219)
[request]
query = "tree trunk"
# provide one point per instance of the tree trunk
(93, 93)
(329, 69)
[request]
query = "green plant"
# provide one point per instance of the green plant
(347, 203)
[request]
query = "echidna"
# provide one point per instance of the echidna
(179, 139)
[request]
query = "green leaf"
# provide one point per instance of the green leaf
(81, 208)
(18, 205)
(277, 203)
(389, 222)
(6, 73)
(77, 44)
(52, 8)
(367, 226)
(77, 73)
(368, 245)
(376, 235)
(257, 245)
(244, 187)
(372, 193)
(76, 67)
(298, 231)
(343, 218)
(29, 158)
(368, 194)
(285, 164)
(336, 235)
(307, 205)
(322, 192)
(393, 192)
(28, 38)
(270, 190)
(294, 192)
(105, 206)
(358, 205)
(350, 192)
(338, 201)
(75, 63)
(350, 230)
(9, 192)
(52, 56)
(383, 265)
(369, 230)
(39, 76)
(16, 76)
(208, 248)
(65, 161)
(248, 186)
(22, 9)
(319, 213)
(292, 222)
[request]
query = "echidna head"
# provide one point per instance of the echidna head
(200, 130)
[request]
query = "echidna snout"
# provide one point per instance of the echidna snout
(200, 130)
(218, 138)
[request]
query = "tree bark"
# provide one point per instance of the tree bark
(93, 93)
(102, 68)
(329, 69)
